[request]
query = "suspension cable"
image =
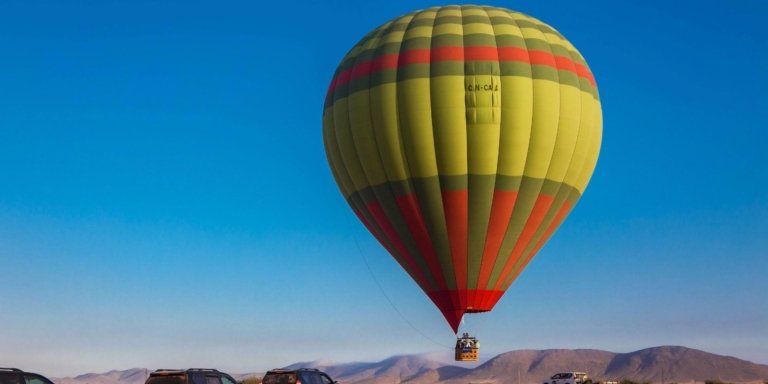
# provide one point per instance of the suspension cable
(391, 303)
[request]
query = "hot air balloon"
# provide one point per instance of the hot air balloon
(462, 136)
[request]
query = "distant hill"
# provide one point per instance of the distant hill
(667, 364)
(660, 364)
(128, 376)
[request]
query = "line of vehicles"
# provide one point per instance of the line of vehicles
(189, 376)
(275, 376)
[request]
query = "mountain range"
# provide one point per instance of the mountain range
(662, 365)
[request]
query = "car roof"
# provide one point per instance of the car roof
(287, 370)
(171, 370)
(15, 371)
(176, 371)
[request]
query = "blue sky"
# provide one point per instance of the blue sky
(165, 199)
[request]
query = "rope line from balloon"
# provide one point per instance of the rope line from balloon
(391, 303)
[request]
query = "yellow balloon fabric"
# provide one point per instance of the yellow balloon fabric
(462, 136)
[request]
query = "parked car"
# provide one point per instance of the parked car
(569, 378)
(17, 376)
(188, 376)
(297, 376)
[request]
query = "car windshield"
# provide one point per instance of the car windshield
(170, 379)
(279, 378)
(35, 379)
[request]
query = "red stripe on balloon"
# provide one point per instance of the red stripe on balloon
(486, 299)
(480, 53)
(543, 58)
(583, 71)
(501, 212)
(451, 53)
(387, 61)
(456, 208)
(445, 301)
(399, 247)
(375, 231)
(565, 64)
(540, 208)
(514, 54)
(409, 208)
(414, 56)
(559, 217)
(447, 54)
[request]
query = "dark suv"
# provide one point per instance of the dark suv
(297, 376)
(17, 376)
(188, 376)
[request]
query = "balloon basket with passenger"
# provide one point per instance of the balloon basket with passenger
(467, 348)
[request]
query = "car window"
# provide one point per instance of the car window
(35, 379)
(227, 380)
(8, 378)
(171, 379)
(324, 379)
(212, 380)
(279, 378)
(311, 378)
(568, 376)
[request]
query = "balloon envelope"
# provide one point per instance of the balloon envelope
(462, 136)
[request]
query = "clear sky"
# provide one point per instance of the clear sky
(165, 199)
